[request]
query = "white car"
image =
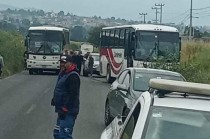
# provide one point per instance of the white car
(96, 68)
(169, 110)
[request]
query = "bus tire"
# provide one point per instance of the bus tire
(30, 71)
(108, 74)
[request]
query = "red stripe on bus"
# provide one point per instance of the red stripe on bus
(109, 55)
(116, 65)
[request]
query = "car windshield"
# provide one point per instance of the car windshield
(152, 44)
(171, 123)
(141, 79)
(45, 42)
(95, 57)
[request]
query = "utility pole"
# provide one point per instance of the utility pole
(190, 34)
(144, 14)
(156, 13)
(161, 11)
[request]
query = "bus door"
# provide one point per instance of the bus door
(129, 46)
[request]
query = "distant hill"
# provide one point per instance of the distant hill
(5, 6)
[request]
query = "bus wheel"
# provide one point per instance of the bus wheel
(108, 75)
(30, 71)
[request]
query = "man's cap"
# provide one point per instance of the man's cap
(67, 58)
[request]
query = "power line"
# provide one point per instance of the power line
(156, 13)
(185, 19)
(191, 6)
(144, 14)
(180, 15)
(201, 8)
(161, 11)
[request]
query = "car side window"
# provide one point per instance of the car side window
(121, 77)
(127, 80)
(131, 124)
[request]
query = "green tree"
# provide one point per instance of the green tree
(78, 33)
(94, 35)
(61, 13)
(26, 22)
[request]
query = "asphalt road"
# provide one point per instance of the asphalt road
(25, 111)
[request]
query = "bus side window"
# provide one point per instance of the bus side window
(117, 38)
(103, 37)
(126, 42)
(107, 38)
(112, 38)
(122, 37)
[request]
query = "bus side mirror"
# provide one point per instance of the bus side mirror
(26, 42)
(64, 42)
(180, 42)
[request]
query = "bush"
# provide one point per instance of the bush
(195, 59)
(12, 49)
(73, 46)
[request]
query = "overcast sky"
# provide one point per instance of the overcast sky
(174, 11)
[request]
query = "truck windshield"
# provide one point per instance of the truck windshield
(45, 42)
(151, 45)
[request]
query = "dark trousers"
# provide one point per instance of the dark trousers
(79, 68)
(91, 70)
(64, 127)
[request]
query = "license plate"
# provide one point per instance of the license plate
(44, 66)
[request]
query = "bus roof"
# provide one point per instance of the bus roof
(48, 28)
(146, 27)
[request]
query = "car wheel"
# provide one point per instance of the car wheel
(125, 114)
(107, 117)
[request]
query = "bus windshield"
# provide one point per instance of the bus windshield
(45, 42)
(151, 45)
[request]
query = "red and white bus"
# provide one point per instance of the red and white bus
(136, 46)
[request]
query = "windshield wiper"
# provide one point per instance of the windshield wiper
(40, 48)
(153, 50)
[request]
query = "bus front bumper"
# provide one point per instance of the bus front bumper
(46, 65)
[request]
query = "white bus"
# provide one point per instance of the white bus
(136, 46)
(44, 45)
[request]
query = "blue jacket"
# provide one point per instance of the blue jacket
(66, 93)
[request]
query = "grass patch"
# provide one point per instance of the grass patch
(195, 62)
(12, 49)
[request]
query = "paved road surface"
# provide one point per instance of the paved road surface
(25, 111)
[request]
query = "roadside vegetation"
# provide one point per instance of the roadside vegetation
(12, 50)
(195, 61)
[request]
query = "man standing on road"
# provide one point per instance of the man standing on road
(66, 98)
(90, 65)
(79, 61)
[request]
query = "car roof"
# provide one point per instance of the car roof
(156, 71)
(190, 102)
